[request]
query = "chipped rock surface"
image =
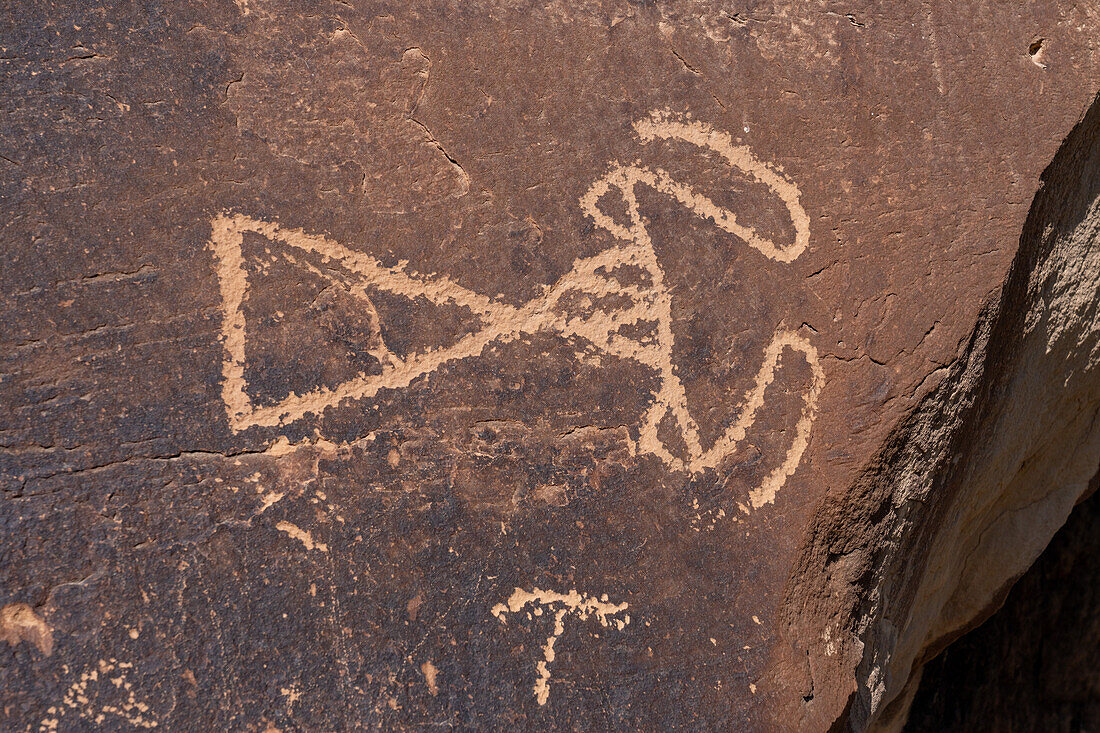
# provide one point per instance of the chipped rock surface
(505, 366)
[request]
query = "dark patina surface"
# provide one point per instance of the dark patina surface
(353, 567)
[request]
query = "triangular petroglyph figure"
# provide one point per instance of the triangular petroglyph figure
(598, 301)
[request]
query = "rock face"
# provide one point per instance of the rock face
(490, 365)
(1033, 665)
(974, 482)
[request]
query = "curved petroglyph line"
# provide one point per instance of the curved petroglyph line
(663, 125)
(592, 280)
(754, 399)
(562, 604)
(672, 397)
(766, 491)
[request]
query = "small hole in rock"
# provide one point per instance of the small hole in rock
(1035, 47)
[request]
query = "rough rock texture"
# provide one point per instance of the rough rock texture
(975, 481)
(567, 365)
(1032, 666)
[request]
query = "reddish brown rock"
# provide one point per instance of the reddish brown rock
(588, 366)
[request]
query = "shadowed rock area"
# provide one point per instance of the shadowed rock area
(1032, 665)
(507, 366)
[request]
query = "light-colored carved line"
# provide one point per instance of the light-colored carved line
(672, 397)
(226, 241)
(754, 400)
(578, 604)
(503, 322)
(662, 124)
(765, 493)
(439, 289)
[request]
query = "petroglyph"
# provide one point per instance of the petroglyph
(107, 679)
(301, 535)
(662, 125)
(562, 605)
(604, 302)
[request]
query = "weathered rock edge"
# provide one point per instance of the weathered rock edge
(1042, 644)
(972, 484)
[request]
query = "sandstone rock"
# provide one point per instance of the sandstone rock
(1033, 665)
(489, 365)
(974, 483)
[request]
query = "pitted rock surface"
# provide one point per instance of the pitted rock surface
(506, 366)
